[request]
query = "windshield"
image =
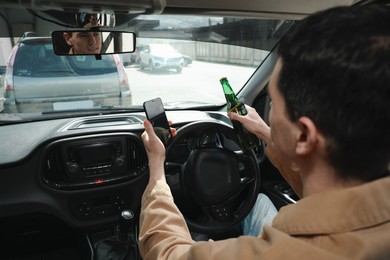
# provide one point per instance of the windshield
(178, 58)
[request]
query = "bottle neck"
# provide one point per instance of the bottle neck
(232, 102)
(227, 89)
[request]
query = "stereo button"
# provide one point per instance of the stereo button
(102, 210)
(119, 161)
(84, 210)
(73, 167)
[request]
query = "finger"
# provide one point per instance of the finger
(173, 131)
(233, 115)
(147, 124)
(144, 135)
(149, 127)
(149, 132)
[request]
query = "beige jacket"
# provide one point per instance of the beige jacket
(351, 223)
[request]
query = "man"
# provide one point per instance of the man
(328, 136)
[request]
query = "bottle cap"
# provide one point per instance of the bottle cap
(222, 79)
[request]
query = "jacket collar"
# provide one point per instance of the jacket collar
(337, 211)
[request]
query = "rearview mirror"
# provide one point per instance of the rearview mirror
(94, 41)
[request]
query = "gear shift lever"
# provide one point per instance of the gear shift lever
(122, 245)
(126, 222)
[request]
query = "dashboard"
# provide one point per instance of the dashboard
(83, 171)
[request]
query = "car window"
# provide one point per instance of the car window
(88, 65)
(28, 55)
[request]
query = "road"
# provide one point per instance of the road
(197, 82)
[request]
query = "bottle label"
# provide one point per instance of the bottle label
(239, 109)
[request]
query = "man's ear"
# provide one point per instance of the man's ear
(308, 136)
(67, 38)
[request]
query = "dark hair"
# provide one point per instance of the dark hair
(83, 19)
(59, 43)
(336, 71)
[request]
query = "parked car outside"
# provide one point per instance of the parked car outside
(38, 80)
(2, 72)
(187, 60)
(134, 57)
(126, 59)
(158, 56)
(1, 91)
(131, 58)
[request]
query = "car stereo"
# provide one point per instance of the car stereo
(95, 159)
(84, 162)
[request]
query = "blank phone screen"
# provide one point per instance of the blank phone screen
(155, 113)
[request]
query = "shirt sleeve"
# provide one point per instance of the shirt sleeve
(163, 231)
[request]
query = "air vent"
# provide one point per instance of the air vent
(137, 158)
(103, 122)
(54, 173)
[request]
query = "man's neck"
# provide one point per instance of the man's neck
(321, 178)
(320, 181)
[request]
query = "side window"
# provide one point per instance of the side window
(24, 65)
(261, 104)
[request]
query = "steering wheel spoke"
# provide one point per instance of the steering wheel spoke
(246, 175)
(173, 171)
(222, 212)
(173, 167)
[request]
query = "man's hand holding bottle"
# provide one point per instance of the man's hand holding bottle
(253, 123)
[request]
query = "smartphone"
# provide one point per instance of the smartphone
(155, 113)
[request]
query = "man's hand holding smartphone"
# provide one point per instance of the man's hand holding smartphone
(155, 113)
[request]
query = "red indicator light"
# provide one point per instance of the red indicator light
(98, 181)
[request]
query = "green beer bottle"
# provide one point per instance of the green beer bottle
(246, 139)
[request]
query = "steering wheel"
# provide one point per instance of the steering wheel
(219, 178)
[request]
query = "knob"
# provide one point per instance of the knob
(119, 161)
(73, 167)
(126, 222)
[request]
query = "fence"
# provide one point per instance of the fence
(221, 53)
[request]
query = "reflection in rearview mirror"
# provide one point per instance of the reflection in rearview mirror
(92, 42)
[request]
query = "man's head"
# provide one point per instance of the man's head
(335, 70)
(84, 42)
